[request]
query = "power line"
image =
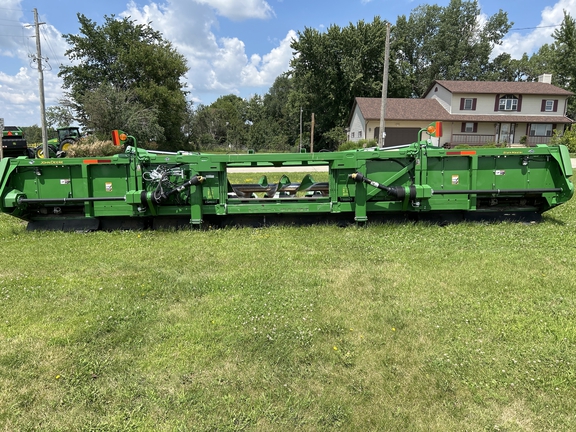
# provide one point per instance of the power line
(538, 27)
(14, 36)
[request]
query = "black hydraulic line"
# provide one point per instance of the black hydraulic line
(67, 200)
(400, 192)
(158, 196)
(494, 191)
(395, 191)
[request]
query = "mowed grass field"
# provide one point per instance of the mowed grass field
(399, 327)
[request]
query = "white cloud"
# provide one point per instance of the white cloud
(216, 65)
(19, 77)
(263, 71)
(240, 10)
(516, 44)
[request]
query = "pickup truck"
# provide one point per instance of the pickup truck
(13, 142)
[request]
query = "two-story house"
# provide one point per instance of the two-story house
(472, 112)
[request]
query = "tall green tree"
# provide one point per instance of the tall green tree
(128, 57)
(564, 58)
(277, 109)
(108, 108)
(331, 68)
(452, 42)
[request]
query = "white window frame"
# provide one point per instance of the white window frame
(541, 129)
(549, 106)
(468, 104)
(469, 128)
(508, 103)
(360, 134)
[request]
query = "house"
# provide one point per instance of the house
(472, 112)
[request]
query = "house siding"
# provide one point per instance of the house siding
(442, 94)
(484, 103)
(357, 125)
(443, 102)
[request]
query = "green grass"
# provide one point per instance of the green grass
(408, 327)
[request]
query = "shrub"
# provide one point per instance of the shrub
(568, 138)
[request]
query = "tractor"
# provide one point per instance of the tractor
(59, 146)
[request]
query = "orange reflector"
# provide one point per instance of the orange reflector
(96, 161)
(115, 138)
(123, 137)
(9, 133)
(438, 129)
(461, 153)
(435, 129)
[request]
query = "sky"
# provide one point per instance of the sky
(231, 46)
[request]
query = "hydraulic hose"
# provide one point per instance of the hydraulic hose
(399, 192)
(159, 196)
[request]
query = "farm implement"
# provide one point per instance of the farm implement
(141, 189)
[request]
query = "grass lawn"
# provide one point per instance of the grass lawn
(411, 327)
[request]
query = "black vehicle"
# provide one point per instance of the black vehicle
(13, 142)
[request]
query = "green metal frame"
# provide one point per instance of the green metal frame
(419, 179)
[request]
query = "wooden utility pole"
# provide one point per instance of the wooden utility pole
(312, 135)
(382, 129)
(41, 86)
(300, 147)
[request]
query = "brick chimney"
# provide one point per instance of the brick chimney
(545, 78)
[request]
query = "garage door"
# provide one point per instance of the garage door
(398, 136)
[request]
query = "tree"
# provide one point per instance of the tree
(564, 58)
(128, 57)
(451, 43)
(279, 110)
(108, 108)
(331, 68)
(59, 116)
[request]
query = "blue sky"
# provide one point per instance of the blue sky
(232, 46)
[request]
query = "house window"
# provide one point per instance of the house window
(360, 134)
(508, 103)
(541, 130)
(549, 105)
(469, 128)
(468, 104)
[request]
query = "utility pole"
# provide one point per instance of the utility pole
(300, 149)
(382, 136)
(312, 135)
(38, 59)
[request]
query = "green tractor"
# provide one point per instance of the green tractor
(58, 146)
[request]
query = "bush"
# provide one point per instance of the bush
(568, 138)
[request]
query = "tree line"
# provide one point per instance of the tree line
(127, 76)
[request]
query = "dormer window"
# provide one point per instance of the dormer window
(508, 103)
